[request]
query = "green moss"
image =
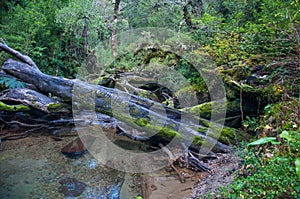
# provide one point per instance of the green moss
(166, 132)
(145, 94)
(141, 122)
(204, 110)
(202, 130)
(21, 107)
(134, 111)
(97, 80)
(56, 107)
(227, 135)
(188, 93)
(198, 141)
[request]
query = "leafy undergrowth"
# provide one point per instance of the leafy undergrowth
(267, 176)
(271, 164)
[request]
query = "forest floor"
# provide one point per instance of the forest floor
(32, 168)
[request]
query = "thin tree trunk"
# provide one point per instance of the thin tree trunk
(186, 15)
(85, 40)
(114, 39)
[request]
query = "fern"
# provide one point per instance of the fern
(11, 82)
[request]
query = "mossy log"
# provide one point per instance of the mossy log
(13, 108)
(157, 121)
(31, 98)
(204, 110)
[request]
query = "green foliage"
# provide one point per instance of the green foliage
(154, 13)
(271, 164)
(228, 49)
(252, 32)
(286, 135)
(297, 165)
(263, 141)
(30, 27)
(11, 82)
(93, 13)
(281, 116)
(275, 178)
(251, 124)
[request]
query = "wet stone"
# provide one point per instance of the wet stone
(74, 149)
(71, 187)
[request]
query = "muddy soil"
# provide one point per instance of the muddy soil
(165, 184)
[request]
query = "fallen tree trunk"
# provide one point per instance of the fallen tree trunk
(34, 99)
(156, 121)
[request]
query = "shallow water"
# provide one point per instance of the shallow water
(32, 168)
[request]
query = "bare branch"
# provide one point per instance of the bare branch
(17, 54)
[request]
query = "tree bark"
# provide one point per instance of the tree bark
(34, 99)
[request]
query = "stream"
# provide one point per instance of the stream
(35, 168)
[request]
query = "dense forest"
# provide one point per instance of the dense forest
(178, 56)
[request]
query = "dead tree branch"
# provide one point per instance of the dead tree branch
(17, 54)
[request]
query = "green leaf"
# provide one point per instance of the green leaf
(287, 136)
(263, 141)
(247, 86)
(297, 164)
(11, 82)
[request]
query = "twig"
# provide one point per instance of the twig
(15, 136)
(202, 155)
(195, 162)
(185, 155)
(241, 104)
(171, 162)
(22, 124)
(186, 189)
(167, 151)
